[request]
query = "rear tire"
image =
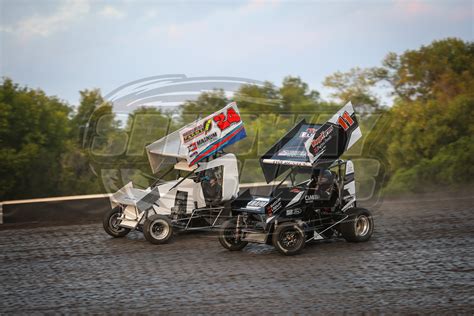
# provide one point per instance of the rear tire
(158, 229)
(289, 238)
(227, 236)
(358, 227)
(110, 223)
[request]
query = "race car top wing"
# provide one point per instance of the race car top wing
(312, 145)
(165, 152)
(205, 137)
(197, 140)
(335, 137)
(288, 151)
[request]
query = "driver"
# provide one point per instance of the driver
(321, 183)
(212, 190)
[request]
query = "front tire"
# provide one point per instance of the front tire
(359, 226)
(158, 229)
(227, 236)
(289, 238)
(110, 222)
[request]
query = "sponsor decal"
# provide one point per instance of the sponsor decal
(311, 198)
(292, 153)
(193, 154)
(275, 206)
(295, 211)
(287, 162)
(319, 143)
(197, 131)
(193, 133)
(295, 190)
(192, 147)
(308, 133)
(208, 126)
(322, 137)
(257, 203)
(206, 139)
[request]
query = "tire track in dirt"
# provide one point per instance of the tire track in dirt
(419, 260)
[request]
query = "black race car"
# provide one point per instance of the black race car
(321, 205)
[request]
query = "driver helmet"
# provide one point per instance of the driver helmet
(203, 177)
(325, 177)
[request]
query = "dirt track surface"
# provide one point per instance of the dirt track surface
(420, 260)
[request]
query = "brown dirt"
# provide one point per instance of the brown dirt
(420, 260)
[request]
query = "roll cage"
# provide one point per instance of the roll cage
(338, 167)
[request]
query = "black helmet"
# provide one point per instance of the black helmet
(325, 177)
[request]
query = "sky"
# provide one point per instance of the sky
(66, 46)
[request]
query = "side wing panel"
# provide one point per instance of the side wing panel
(349, 190)
(205, 137)
(334, 138)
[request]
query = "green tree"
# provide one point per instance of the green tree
(91, 109)
(34, 131)
(356, 86)
(434, 97)
(207, 103)
(442, 70)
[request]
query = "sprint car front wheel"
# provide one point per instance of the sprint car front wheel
(158, 229)
(111, 223)
(227, 236)
(289, 238)
(359, 225)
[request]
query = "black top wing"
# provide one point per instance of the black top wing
(288, 151)
(312, 145)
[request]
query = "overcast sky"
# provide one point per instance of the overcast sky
(65, 46)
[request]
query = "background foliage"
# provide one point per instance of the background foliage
(424, 140)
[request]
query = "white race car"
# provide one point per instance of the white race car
(195, 199)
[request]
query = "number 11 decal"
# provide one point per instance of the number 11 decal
(345, 121)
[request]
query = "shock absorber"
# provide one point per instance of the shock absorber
(237, 227)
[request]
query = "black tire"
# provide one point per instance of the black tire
(227, 236)
(358, 227)
(109, 221)
(158, 229)
(289, 238)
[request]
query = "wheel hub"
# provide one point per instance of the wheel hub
(159, 230)
(114, 222)
(289, 239)
(230, 235)
(362, 225)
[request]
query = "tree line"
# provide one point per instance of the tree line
(424, 140)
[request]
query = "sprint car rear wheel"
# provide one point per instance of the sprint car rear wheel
(158, 229)
(227, 236)
(359, 226)
(289, 238)
(111, 223)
